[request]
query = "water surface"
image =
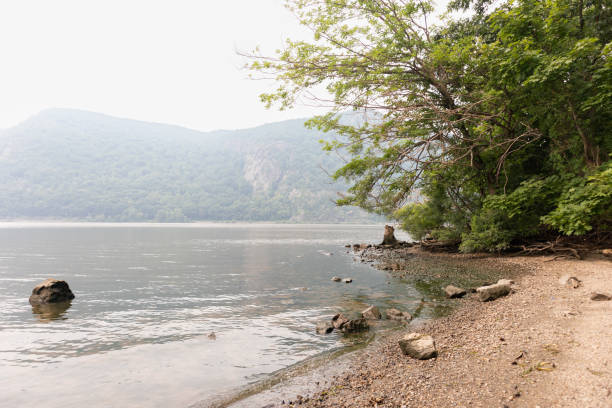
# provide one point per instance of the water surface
(149, 295)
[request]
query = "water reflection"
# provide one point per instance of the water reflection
(51, 311)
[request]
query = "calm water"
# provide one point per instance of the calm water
(147, 296)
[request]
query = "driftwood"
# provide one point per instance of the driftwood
(556, 248)
(439, 246)
(566, 247)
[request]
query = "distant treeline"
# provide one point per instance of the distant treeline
(69, 164)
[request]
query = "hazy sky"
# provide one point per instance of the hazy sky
(170, 61)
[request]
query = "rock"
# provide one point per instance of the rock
(395, 314)
(360, 247)
(51, 291)
(339, 320)
(355, 326)
(212, 336)
(371, 312)
(453, 292)
(600, 296)
(348, 280)
(493, 292)
(342, 323)
(324, 327)
(570, 281)
(505, 282)
(389, 237)
(418, 345)
(336, 279)
(607, 252)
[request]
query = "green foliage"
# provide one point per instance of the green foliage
(584, 204)
(506, 217)
(493, 122)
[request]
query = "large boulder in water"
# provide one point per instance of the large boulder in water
(51, 291)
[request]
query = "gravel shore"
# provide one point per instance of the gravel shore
(546, 345)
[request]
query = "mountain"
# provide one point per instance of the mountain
(71, 164)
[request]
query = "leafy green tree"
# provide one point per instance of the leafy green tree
(490, 120)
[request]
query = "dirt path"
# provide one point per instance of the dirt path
(545, 345)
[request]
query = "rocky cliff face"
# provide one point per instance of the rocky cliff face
(262, 168)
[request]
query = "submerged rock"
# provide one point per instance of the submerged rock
(418, 345)
(51, 291)
(371, 312)
(492, 292)
(348, 280)
(46, 312)
(324, 327)
(395, 314)
(336, 279)
(355, 326)
(453, 292)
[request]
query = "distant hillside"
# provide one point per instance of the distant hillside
(69, 164)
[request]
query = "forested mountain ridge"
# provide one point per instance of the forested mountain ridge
(70, 164)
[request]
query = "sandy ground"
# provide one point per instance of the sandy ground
(545, 345)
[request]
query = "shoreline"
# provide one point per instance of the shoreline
(545, 344)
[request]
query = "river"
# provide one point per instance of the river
(149, 295)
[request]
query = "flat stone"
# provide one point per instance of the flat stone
(600, 296)
(336, 279)
(51, 291)
(453, 292)
(492, 292)
(372, 313)
(418, 345)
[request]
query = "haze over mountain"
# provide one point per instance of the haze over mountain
(70, 164)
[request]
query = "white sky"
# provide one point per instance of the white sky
(171, 61)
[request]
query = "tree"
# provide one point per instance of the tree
(468, 114)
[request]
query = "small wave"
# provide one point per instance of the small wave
(19, 279)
